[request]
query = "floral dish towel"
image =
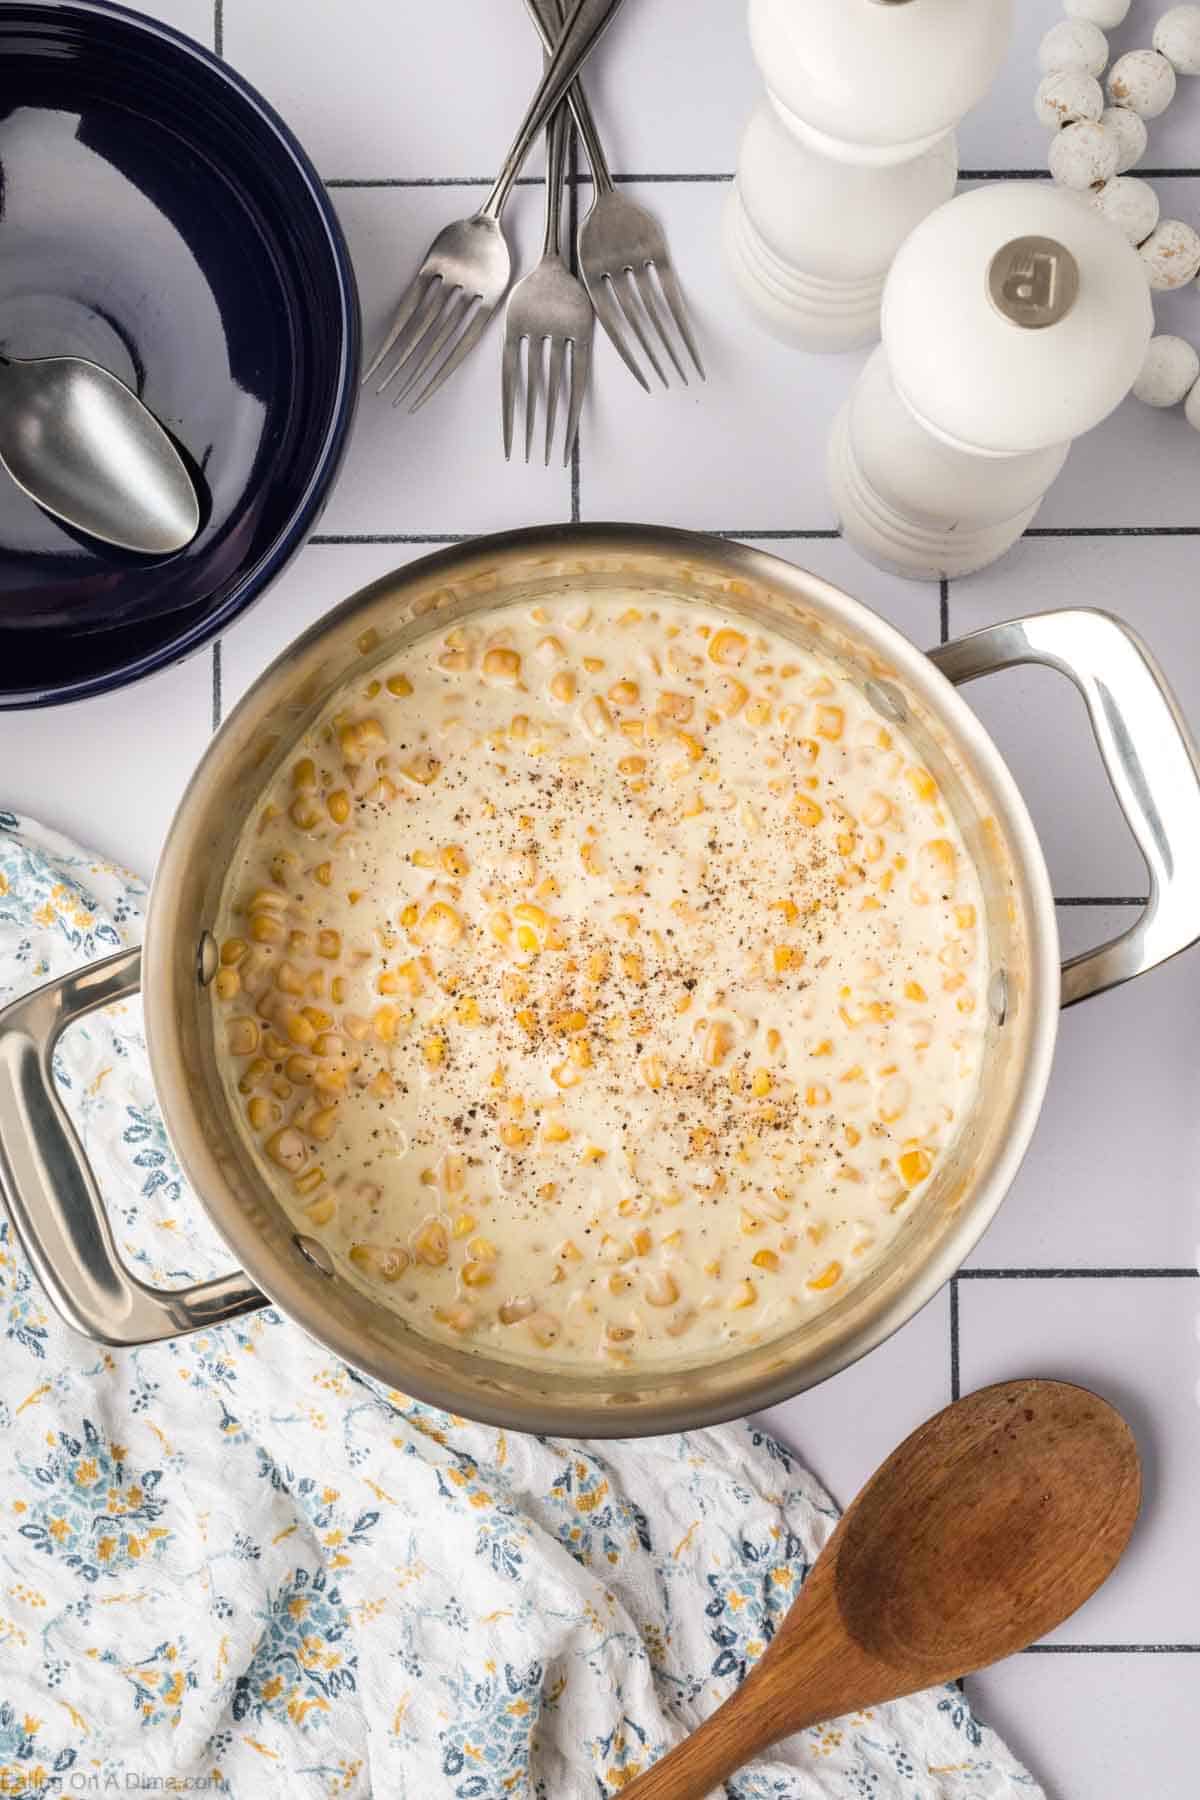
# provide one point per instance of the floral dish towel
(231, 1564)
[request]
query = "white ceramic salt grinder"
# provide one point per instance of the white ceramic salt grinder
(853, 146)
(1014, 318)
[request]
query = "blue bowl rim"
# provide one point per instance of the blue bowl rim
(255, 580)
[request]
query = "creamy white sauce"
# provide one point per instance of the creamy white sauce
(602, 981)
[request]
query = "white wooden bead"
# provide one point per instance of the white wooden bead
(1191, 407)
(1131, 135)
(1067, 96)
(1130, 204)
(1107, 14)
(1177, 37)
(1168, 373)
(1083, 155)
(1143, 81)
(1073, 44)
(1172, 255)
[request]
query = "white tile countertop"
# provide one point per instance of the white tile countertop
(1089, 1271)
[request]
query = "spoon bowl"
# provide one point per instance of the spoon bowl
(81, 444)
(988, 1527)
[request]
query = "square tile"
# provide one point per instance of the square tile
(845, 1428)
(1112, 1178)
(387, 91)
(1134, 1342)
(441, 469)
(322, 576)
(744, 449)
(1038, 719)
(110, 772)
(702, 52)
(1100, 1727)
(1002, 131)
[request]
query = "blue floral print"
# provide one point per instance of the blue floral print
(233, 1560)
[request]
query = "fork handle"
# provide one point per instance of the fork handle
(547, 17)
(583, 29)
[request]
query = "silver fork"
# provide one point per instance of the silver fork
(549, 306)
(621, 246)
(445, 309)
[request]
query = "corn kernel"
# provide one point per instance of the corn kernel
(388, 1265)
(287, 1148)
(743, 1295)
(922, 784)
(728, 648)
(829, 1277)
(399, 686)
(596, 716)
(718, 1042)
(807, 811)
(339, 806)
(914, 1166)
(440, 925)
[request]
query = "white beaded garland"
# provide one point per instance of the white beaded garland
(1083, 155)
(1067, 96)
(1107, 14)
(1131, 135)
(1169, 372)
(1177, 37)
(1130, 204)
(1092, 152)
(1143, 81)
(1171, 254)
(1073, 44)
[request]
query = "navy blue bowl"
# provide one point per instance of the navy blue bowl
(157, 216)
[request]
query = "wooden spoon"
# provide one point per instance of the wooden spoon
(987, 1528)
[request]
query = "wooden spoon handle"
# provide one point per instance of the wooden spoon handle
(749, 1721)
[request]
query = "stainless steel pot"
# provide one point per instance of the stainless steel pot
(52, 1195)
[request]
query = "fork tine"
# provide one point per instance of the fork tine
(510, 369)
(644, 282)
(558, 353)
(462, 349)
(531, 391)
(668, 281)
(409, 302)
(610, 316)
(457, 309)
(413, 337)
(532, 384)
(627, 297)
(581, 362)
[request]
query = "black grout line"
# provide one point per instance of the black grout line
(219, 27)
(944, 610)
(955, 1371)
(1112, 1650)
(1112, 531)
(781, 537)
(424, 181)
(665, 177)
(1102, 900)
(216, 684)
(394, 537)
(577, 178)
(1078, 1275)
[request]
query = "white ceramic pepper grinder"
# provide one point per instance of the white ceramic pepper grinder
(853, 146)
(1014, 318)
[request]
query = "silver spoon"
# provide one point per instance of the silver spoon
(81, 444)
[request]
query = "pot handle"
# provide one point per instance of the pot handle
(1150, 758)
(50, 1192)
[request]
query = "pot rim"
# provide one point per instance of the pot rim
(290, 1288)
